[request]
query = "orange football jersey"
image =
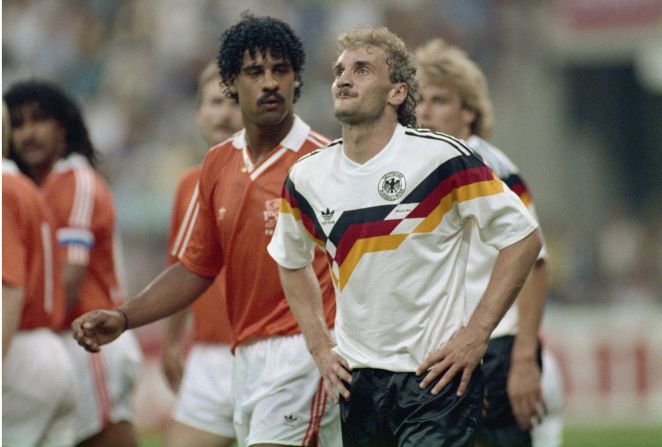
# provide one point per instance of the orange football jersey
(233, 224)
(85, 217)
(210, 316)
(30, 255)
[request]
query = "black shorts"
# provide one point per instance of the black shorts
(499, 427)
(389, 409)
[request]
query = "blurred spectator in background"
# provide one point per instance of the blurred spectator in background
(38, 387)
(50, 142)
(203, 414)
(454, 100)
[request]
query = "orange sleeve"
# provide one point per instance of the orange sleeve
(182, 212)
(203, 254)
(13, 247)
(71, 196)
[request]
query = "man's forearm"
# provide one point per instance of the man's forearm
(304, 297)
(511, 268)
(170, 292)
(530, 303)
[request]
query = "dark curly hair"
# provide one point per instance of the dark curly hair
(54, 103)
(258, 34)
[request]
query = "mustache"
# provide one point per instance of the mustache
(345, 92)
(28, 142)
(271, 95)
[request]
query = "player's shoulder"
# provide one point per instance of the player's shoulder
(318, 155)
(426, 139)
(191, 174)
(494, 157)
(228, 148)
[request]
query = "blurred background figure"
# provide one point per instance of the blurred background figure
(38, 388)
(50, 143)
(454, 100)
(580, 81)
(203, 413)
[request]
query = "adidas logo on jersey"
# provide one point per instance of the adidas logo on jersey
(327, 216)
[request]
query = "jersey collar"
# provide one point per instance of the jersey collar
(293, 141)
(9, 167)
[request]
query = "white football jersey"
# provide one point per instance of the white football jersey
(396, 231)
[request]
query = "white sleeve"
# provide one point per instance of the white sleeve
(501, 218)
(291, 246)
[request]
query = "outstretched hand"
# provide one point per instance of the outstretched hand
(461, 354)
(98, 327)
(334, 370)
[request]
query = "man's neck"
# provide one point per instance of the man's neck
(39, 173)
(363, 141)
(261, 139)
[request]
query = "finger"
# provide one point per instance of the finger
(340, 386)
(433, 373)
(328, 387)
(342, 372)
(464, 381)
(429, 361)
(445, 379)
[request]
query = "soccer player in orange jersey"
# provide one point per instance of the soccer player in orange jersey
(51, 144)
(278, 392)
(203, 413)
(38, 388)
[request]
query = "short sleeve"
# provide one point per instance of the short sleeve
(203, 253)
(181, 218)
(71, 196)
(291, 245)
(501, 217)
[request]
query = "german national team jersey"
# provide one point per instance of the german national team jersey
(236, 217)
(30, 258)
(483, 256)
(396, 233)
(210, 316)
(85, 216)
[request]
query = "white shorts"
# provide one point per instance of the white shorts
(550, 432)
(106, 382)
(205, 396)
(279, 398)
(38, 391)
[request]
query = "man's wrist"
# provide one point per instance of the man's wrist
(125, 317)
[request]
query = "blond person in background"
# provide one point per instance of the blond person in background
(202, 416)
(454, 101)
(392, 206)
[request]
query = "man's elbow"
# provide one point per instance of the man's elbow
(536, 242)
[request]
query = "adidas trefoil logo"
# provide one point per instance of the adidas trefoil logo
(290, 419)
(327, 214)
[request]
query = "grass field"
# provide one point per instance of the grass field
(573, 437)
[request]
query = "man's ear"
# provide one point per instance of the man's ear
(398, 94)
(468, 117)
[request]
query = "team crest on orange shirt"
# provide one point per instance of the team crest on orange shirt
(270, 215)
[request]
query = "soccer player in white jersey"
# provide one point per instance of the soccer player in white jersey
(392, 208)
(454, 100)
